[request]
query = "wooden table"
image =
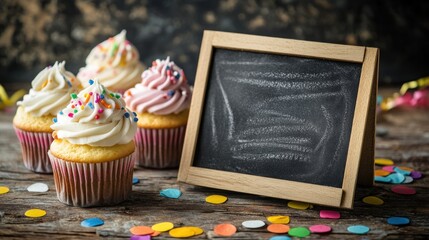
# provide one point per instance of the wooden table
(407, 143)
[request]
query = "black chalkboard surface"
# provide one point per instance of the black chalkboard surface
(278, 116)
(282, 118)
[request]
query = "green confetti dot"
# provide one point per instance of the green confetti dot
(299, 232)
(75, 111)
(73, 95)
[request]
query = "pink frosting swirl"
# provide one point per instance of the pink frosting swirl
(163, 90)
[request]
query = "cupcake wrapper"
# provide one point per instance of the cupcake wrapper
(35, 146)
(93, 184)
(159, 148)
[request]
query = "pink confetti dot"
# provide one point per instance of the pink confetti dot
(329, 214)
(389, 168)
(320, 228)
(403, 190)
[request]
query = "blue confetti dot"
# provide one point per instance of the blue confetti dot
(91, 82)
(54, 120)
(170, 193)
(69, 83)
(127, 114)
(171, 93)
(398, 221)
(280, 238)
(358, 229)
(403, 172)
(135, 114)
(396, 178)
(91, 105)
(92, 222)
(102, 96)
(382, 179)
(61, 113)
(135, 180)
(135, 119)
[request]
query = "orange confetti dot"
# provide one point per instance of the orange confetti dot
(155, 233)
(141, 230)
(278, 228)
(381, 173)
(225, 229)
(406, 169)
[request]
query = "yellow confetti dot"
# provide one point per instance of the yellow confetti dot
(35, 213)
(373, 200)
(197, 230)
(216, 199)
(298, 205)
(278, 219)
(163, 226)
(4, 189)
(383, 161)
(182, 232)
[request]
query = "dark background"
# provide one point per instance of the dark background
(33, 34)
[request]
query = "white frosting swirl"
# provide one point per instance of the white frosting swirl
(114, 62)
(50, 91)
(96, 117)
(163, 90)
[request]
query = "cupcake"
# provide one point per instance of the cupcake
(161, 102)
(114, 62)
(91, 154)
(50, 92)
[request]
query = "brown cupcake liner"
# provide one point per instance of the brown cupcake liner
(34, 148)
(93, 184)
(159, 148)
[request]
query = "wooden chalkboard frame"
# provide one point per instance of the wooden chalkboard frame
(360, 158)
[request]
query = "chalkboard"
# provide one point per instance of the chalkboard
(278, 116)
(281, 115)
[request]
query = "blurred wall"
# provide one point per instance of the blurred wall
(34, 34)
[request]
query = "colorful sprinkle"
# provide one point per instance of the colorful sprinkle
(135, 119)
(70, 115)
(299, 232)
(163, 226)
(253, 224)
(38, 187)
(91, 81)
(383, 161)
(141, 230)
(91, 105)
(54, 120)
(278, 228)
(97, 117)
(181, 232)
(382, 179)
(127, 114)
(117, 96)
(372, 200)
(75, 111)
(105, 104)
(330, 214)
(280, 238)
(401, 171)
(92, 222)
(144, 237)
(416, 175)
(408, 179)
(73, 95)
(135, 180)
(398, 221)
(298, 205)
(389, 168)
(61, 113)
(396, 178)
(403, 190)
(35, 213)
(320, 228)
(381, 172)
(4, 189)
(102, 96)
(358, 229)
(216, 199)
(171, 93)
(278, 219)
(225, 229)
(170, 193)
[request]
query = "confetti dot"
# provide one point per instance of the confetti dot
(329, 214)
(4, 189)
(135, 180)
(170, 193)
(358, 229)
(35, 213)
(408, 179)
(253, 224)
(388, 168)
(320, 228)
(383, 161)
(401, 171)
(299, 232)
(38, 187)
(136, 237)
(127, 114)
(406, 168)
(155, 233)
(396, 178)
(278, 228)
(372, 200)
(416, 175)
(92, 222)
(398, 221)
(382, 179)
(278, 219)
(197, 230)
(181, 232)
(141, 230)
(403, 190)
(298, 205)
(225, 229)
(163, 226)
(91, 82)
(280, 238)
(216, 199)
(73, 95)
(381, 172)
(54, 120)
(135, 119)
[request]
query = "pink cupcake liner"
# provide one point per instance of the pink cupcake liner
(93, 184)
(35, 146)
(159, 148)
